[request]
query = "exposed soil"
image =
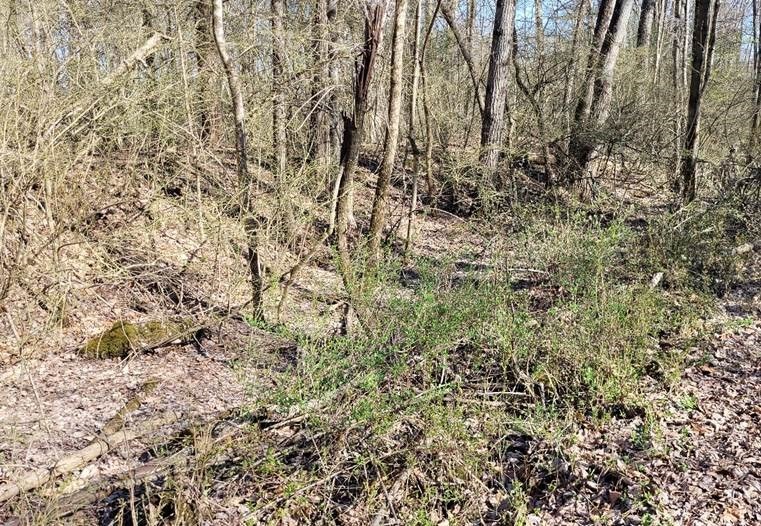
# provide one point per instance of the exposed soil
(699, 465)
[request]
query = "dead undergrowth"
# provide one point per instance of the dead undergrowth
(519, 368)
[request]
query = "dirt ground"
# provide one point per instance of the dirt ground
(705, 470)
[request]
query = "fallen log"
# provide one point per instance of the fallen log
(97, 447)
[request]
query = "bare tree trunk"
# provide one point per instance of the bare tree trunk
(411, 127)
(471, 25)
(539, 28)
(353, 131)
(333, 74)
(378, 216)
(755, 121)
(493, 122)
(278, 95)
(466, 55)
(660, 21)
(245, 181)
(426, 106)
(679, 86)
(204, 49)
(279, 116)
(321, 88)
(594, 104)
(538, 109)
(645, 28)
(703, 40)
(571, 75)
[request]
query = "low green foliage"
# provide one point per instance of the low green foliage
(565, 326)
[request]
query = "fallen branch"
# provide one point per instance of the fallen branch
(116, 422)
(99, 446)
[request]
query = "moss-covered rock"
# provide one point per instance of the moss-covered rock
(124, 337)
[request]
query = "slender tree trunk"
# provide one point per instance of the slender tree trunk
(321, 88)
(493, 122)
(594, 104)
(572, 69)
(679, 86)
(245, 181)
(538, 109)
(204, 54)
(279, 116)
(353, 132)
(645, 28)
(703, 40)
(539, 28)
(660, 21)
(466, 55)
(334, 75)
(278, 95)
(470, 28)
(426, 106)
(391, 141)
(755, 121)
(411, 127)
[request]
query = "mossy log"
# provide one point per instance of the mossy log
(124, 338)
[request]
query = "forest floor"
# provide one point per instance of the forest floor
(242, 450)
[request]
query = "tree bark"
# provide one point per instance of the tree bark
(703, 40)
(493, 122)
(645, 28)
(539, 28)
(426, 107)
(204, 55)
(278, 95)
(755, 121)
(411, 126)
(679, 86)
(321, 87)
(353, 131)
(378, 216)
(572, 70)
(466, 55)
(594, 103)
(245, 181)
(279, 116)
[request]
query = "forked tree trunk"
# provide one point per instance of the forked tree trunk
(446, 11)
(353, 131)
(537, 107)
(703, 40)
(493, 122)
(594, 103)
(245, 181)
(576, 38)
(391, 141)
